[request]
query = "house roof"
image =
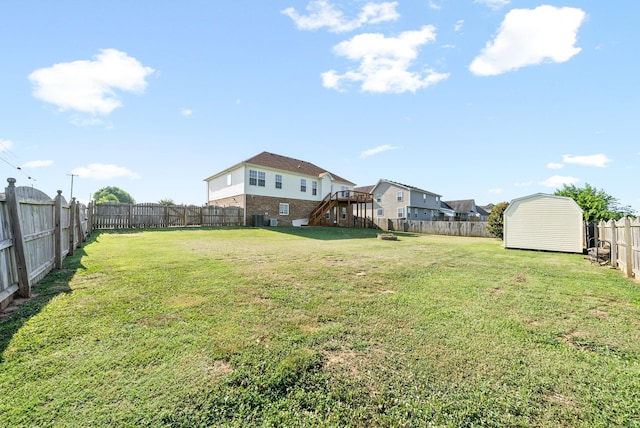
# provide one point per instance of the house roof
(461, 206)
(284, 163)
(488, 208)
(364, 189)
(405, 186)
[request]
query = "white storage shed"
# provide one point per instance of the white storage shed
(544, 222)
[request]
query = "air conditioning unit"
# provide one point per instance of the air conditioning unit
(273, 222)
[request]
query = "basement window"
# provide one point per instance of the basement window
(284, 209)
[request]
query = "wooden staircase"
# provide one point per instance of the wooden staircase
(337, 209)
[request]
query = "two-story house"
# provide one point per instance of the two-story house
(396, 200)
(273, 189)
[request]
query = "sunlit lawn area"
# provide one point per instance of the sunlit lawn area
(321, 327)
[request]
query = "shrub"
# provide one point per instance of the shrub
(496, 220)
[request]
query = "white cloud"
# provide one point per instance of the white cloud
(323, 14)
(523, 184)
(495, 191)
(89, 86)
(598, 160)
(384, 62)
(38, 164)
(559, 181)
(101, 171)
(377, 150)
(493, 4)
(187, 112)
(458, 26)
(5, 145)
(555, 165)
(530, 37)
(433, 5)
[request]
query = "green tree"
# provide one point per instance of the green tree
(166, 201)
(495, 221)
(596, 204)
(113, 194)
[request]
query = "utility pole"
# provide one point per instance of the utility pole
(72, 175)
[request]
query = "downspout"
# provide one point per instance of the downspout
(244, 196)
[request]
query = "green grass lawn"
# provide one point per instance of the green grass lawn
(321, 327)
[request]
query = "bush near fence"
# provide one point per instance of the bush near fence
(36, 234)
(114, 215)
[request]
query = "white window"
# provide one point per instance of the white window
(278, 181)
(257, 178)
(378, 197)
(284, 209)
(303, 185)
(400, 212)
(314, 188)
(344, 213)
(399, 196)
(380, 212)
(344, 193)
(228, 179)
(424, 197)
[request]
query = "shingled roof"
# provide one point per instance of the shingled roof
(272, 160)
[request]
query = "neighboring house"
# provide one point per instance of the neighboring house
(544, 222)
(463, 210)
(273, 189)
(396, 200)
(488, 208)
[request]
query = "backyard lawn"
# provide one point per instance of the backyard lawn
(321, 327)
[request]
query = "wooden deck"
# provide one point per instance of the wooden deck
(346, 208)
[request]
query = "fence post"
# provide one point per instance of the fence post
(72, 226)
(13, 205)
(628, 243)
(614, 243)
(58, 230)
(78, 226)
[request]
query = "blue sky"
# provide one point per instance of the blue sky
(471, 99)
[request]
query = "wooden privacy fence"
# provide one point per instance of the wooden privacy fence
(451, 228)
(115, 215)
(624, 237)
(36, 234)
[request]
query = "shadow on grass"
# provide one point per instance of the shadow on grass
(333, 233)
(54, 283)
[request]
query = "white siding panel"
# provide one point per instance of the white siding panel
(219, 188)
(544, 222)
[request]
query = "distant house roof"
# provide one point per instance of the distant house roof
(284, 163)
(364, 189)
(461, 206)
(488, 208)
(481, 210)
(406, 186)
